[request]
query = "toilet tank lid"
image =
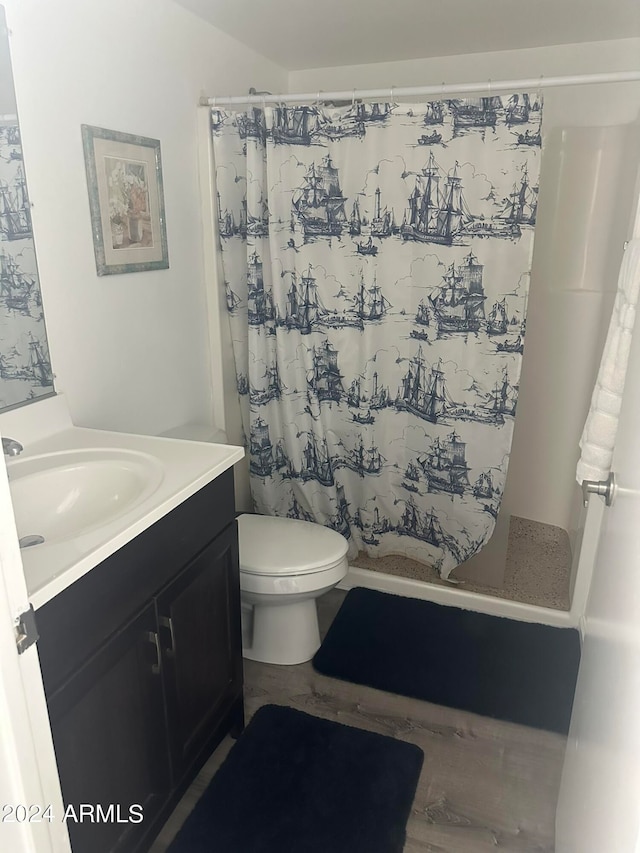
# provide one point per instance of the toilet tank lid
(287, 546)
(197, 432)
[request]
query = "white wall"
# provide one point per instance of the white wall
(576, 256)
(130, 351)
(593, 105)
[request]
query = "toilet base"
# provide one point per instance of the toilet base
(285, 634)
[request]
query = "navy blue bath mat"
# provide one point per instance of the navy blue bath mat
(517, 671)
(294, 783)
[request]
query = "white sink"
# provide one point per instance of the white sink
(58, 496)
(89, 492)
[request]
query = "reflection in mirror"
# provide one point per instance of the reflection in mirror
(25, 367)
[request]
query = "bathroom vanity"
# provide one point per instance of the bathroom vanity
(142, 666)
(135, 584)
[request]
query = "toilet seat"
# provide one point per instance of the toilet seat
(287, 588)
(287, 547)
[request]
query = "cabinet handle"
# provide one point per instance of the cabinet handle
(154, 637)
(167, 622)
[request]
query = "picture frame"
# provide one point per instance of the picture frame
(126, 199)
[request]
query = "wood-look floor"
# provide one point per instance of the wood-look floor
(485, 785)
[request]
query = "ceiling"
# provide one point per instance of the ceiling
(323, 33)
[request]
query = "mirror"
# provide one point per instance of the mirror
(25, 366)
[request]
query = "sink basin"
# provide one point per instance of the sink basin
(62, 495)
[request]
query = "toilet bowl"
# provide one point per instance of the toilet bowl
(285, 565)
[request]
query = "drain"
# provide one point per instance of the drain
(28, 541)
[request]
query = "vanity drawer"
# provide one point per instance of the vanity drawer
(76, 622)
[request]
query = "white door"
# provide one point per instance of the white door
(599, 805)
(28, 773)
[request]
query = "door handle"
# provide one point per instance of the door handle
(604, 488)
(154, 638)
(167, 622)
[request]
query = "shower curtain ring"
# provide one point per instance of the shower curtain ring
(391, 94)
(353, 98)
(489, 86)
(540, 87)
(318, 97)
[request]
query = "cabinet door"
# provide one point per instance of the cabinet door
(199, 619)
(109, 733)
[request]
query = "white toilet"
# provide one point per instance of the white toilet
(285, 564)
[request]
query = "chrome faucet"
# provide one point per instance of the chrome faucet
(11, 447)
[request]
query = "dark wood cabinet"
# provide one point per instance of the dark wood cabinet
(111, 741)
(142, 666)
(199, 617)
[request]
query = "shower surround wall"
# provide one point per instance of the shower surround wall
(579, 244)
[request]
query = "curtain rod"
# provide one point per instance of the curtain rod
(490, 86)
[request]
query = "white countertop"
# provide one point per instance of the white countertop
(187, 467)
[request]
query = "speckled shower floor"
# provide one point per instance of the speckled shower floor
(537, 567)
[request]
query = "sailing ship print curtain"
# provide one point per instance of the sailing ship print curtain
(376, 261)
(25, 366)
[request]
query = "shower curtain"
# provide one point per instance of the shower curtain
(376, 261)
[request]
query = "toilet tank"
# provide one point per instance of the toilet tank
(197, 432)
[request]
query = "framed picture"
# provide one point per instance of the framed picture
(124, 177)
